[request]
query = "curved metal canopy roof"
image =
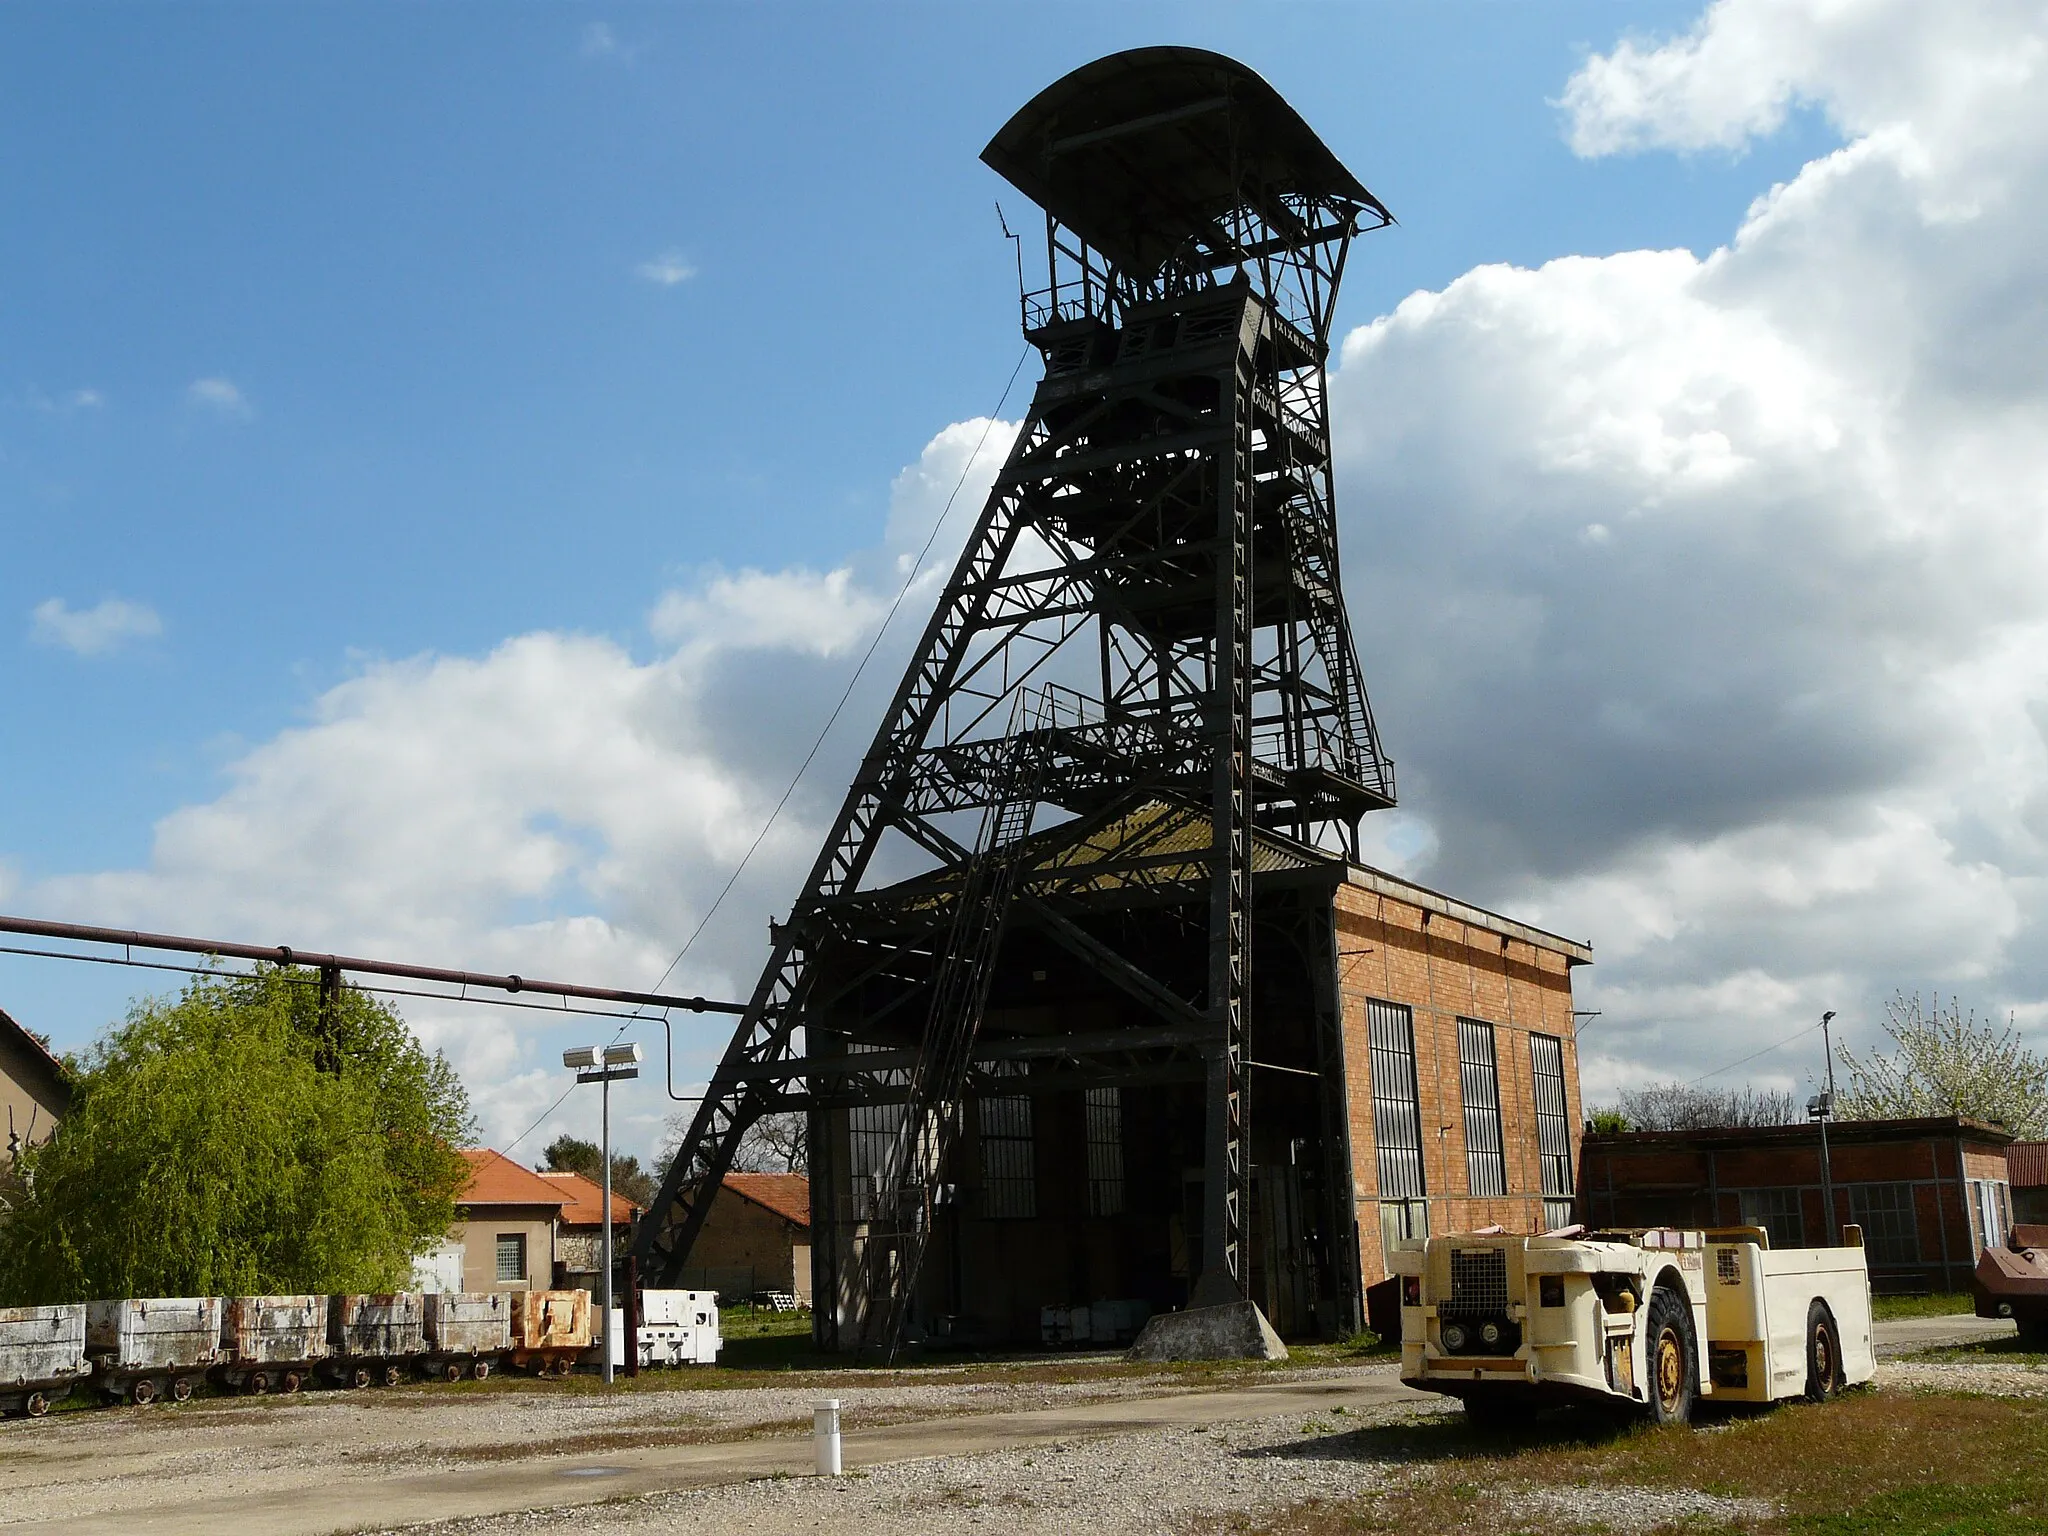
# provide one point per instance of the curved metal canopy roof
(1141, 151)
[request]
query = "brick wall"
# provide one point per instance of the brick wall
(1444, 966)
(738, 1234)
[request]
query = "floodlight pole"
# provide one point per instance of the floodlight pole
(1829, 1227)
(603, 1065)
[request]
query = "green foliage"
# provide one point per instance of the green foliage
(241, 1139)
(1607, 1122)
(1947, 1064)
(571, 1154)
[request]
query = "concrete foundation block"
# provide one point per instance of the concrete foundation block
(1235, 1331)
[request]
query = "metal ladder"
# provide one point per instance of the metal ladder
(900, 1227)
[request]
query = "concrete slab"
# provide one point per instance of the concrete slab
(1238, 1330)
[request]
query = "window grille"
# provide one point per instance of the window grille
(1891, 1228)
(870, 1133)
(511, 1255)
(1778, 1212)
(1105, 1113)
(1009, 1173)
(1556, 1213)
(1553, 1121)
(1479, 1081)
(1396, 1106)
(1987, 1197)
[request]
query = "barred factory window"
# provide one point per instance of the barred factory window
(1486, 1169)
(1009, 1175)
(1553, 1126)
(1891, 1228)
(1105, 1108)
(1396, 1108)
(511, 1255)
(1777, 1212)
(870, 1132)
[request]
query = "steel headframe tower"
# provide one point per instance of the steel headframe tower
(1147, 612)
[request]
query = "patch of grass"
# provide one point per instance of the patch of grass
(1943, 1304)
(1906, 1464)
(2008, 1349)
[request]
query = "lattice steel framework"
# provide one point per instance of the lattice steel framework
(1157, 565)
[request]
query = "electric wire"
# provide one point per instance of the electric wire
(910, 580)
(1752, 1056)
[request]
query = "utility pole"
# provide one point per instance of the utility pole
(1822, 1108)
(605, 1064)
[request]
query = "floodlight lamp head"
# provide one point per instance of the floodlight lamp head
(622, 1055)
(1827, 1017)
(580, 1058)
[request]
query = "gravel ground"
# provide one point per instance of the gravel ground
(1993, 1379)
(1159, 1483)
(1625, 1507)
(131, 1458)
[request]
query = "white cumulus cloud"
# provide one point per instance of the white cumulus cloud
(107, 626)
(667, 269)
(221, 396)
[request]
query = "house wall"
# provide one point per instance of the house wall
(738, 1234)
(1650, 1180)
(478, 1233)
(27, 1108)
(1443, 967)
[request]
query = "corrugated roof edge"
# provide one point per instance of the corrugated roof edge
(1838, 1131)
(1381, 883)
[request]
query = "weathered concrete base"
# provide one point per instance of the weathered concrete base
(1237, 1331)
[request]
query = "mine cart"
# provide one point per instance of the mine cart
(272, 1343)
(42, 1356)
(375, 1338)
(1646, 1320)
(153, 1346)
(467, 1332)
(2012, 1281)
(549, 1330)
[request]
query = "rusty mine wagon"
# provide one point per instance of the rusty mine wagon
(1649, 1321)
(375, 1338)
(550, 1329)
(467, 1332)
(151, 1347)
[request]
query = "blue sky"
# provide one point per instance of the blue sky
(333, 337)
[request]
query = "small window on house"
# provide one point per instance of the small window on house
(1987, 1195)
(1778, 1212)
(1553, 1123)
(511, 1255)
(1891, 1230)
(1009, 1172)
(1396, 1106)
(1479, 1082)
(1105, 1111)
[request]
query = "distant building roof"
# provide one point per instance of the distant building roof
(494, 1179)
(788, 1195)
(1839, 1132)
(586, 1201)
(2027, 1162)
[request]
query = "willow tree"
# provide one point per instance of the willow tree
(250, 1136)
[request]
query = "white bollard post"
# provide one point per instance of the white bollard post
(825, 1436)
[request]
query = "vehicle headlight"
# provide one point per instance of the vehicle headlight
(1490, 1333)
(1454, 1336)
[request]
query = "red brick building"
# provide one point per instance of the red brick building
(1462, 1069)
(2028, 1163)
(756, 1238)
(1929, 1194)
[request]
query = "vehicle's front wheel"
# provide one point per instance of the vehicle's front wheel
(1823, 1354)
(1673, 1359)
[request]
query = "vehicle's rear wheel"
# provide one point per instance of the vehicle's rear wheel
(1823, 1353)
(1673, 1360)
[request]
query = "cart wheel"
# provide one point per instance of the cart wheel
(143, 1393)
(1674, 1361)
(358, 1378)
(1823, 1354)
(452, 1371)
(256, 1383)
(36, 1406)
(481, 1370)
(564, 1366)
(392, 1376)
(292, 1381)
(181, 1389)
